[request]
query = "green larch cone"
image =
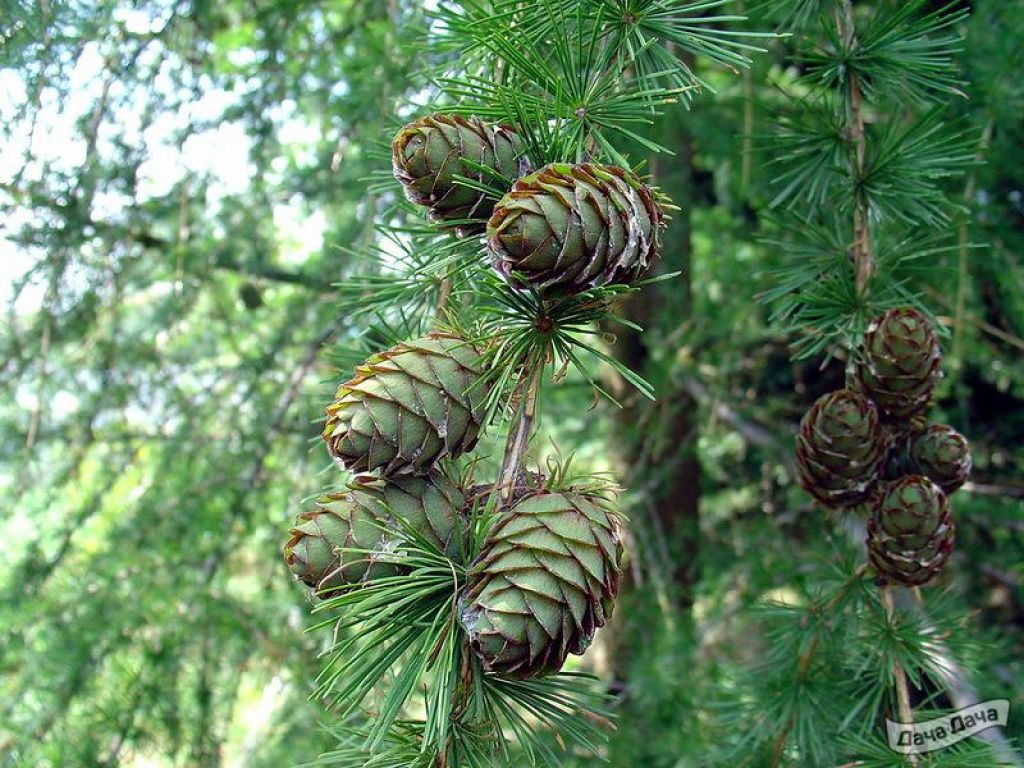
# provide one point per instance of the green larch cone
(427, 155)
(941, 454)
(376, 515)
(567, 228)
(545, 580)
(408, 407)
(910, 531)
(431, 506)
(840, 448)
(899, 367)
(318, 550)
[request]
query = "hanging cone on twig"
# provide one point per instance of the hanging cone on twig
(408, 407)
(910, 532)
(427, 155)
(430, 506)
(900, 363)
(544, 581)
(942, 454)
(321, 548)
(839, 449)
(376, 516)
(936, 451)
(568, 228)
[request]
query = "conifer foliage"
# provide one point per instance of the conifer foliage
(474, 591)
(209, 205)
(861, 152)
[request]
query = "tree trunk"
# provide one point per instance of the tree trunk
(660, 455)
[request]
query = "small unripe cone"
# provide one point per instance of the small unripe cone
(567, 228)
(408, 407)
(900, 363)
(431, 505)
(910, 532)
(840, 448)
(376, 515)
(543, 583)
(320, 550)
(427, 155)
(940, 453)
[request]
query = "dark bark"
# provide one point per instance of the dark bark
(661, 452)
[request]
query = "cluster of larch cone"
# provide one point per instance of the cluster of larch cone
(869, 446)
(547, 573)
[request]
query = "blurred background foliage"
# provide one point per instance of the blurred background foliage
(181, 185)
